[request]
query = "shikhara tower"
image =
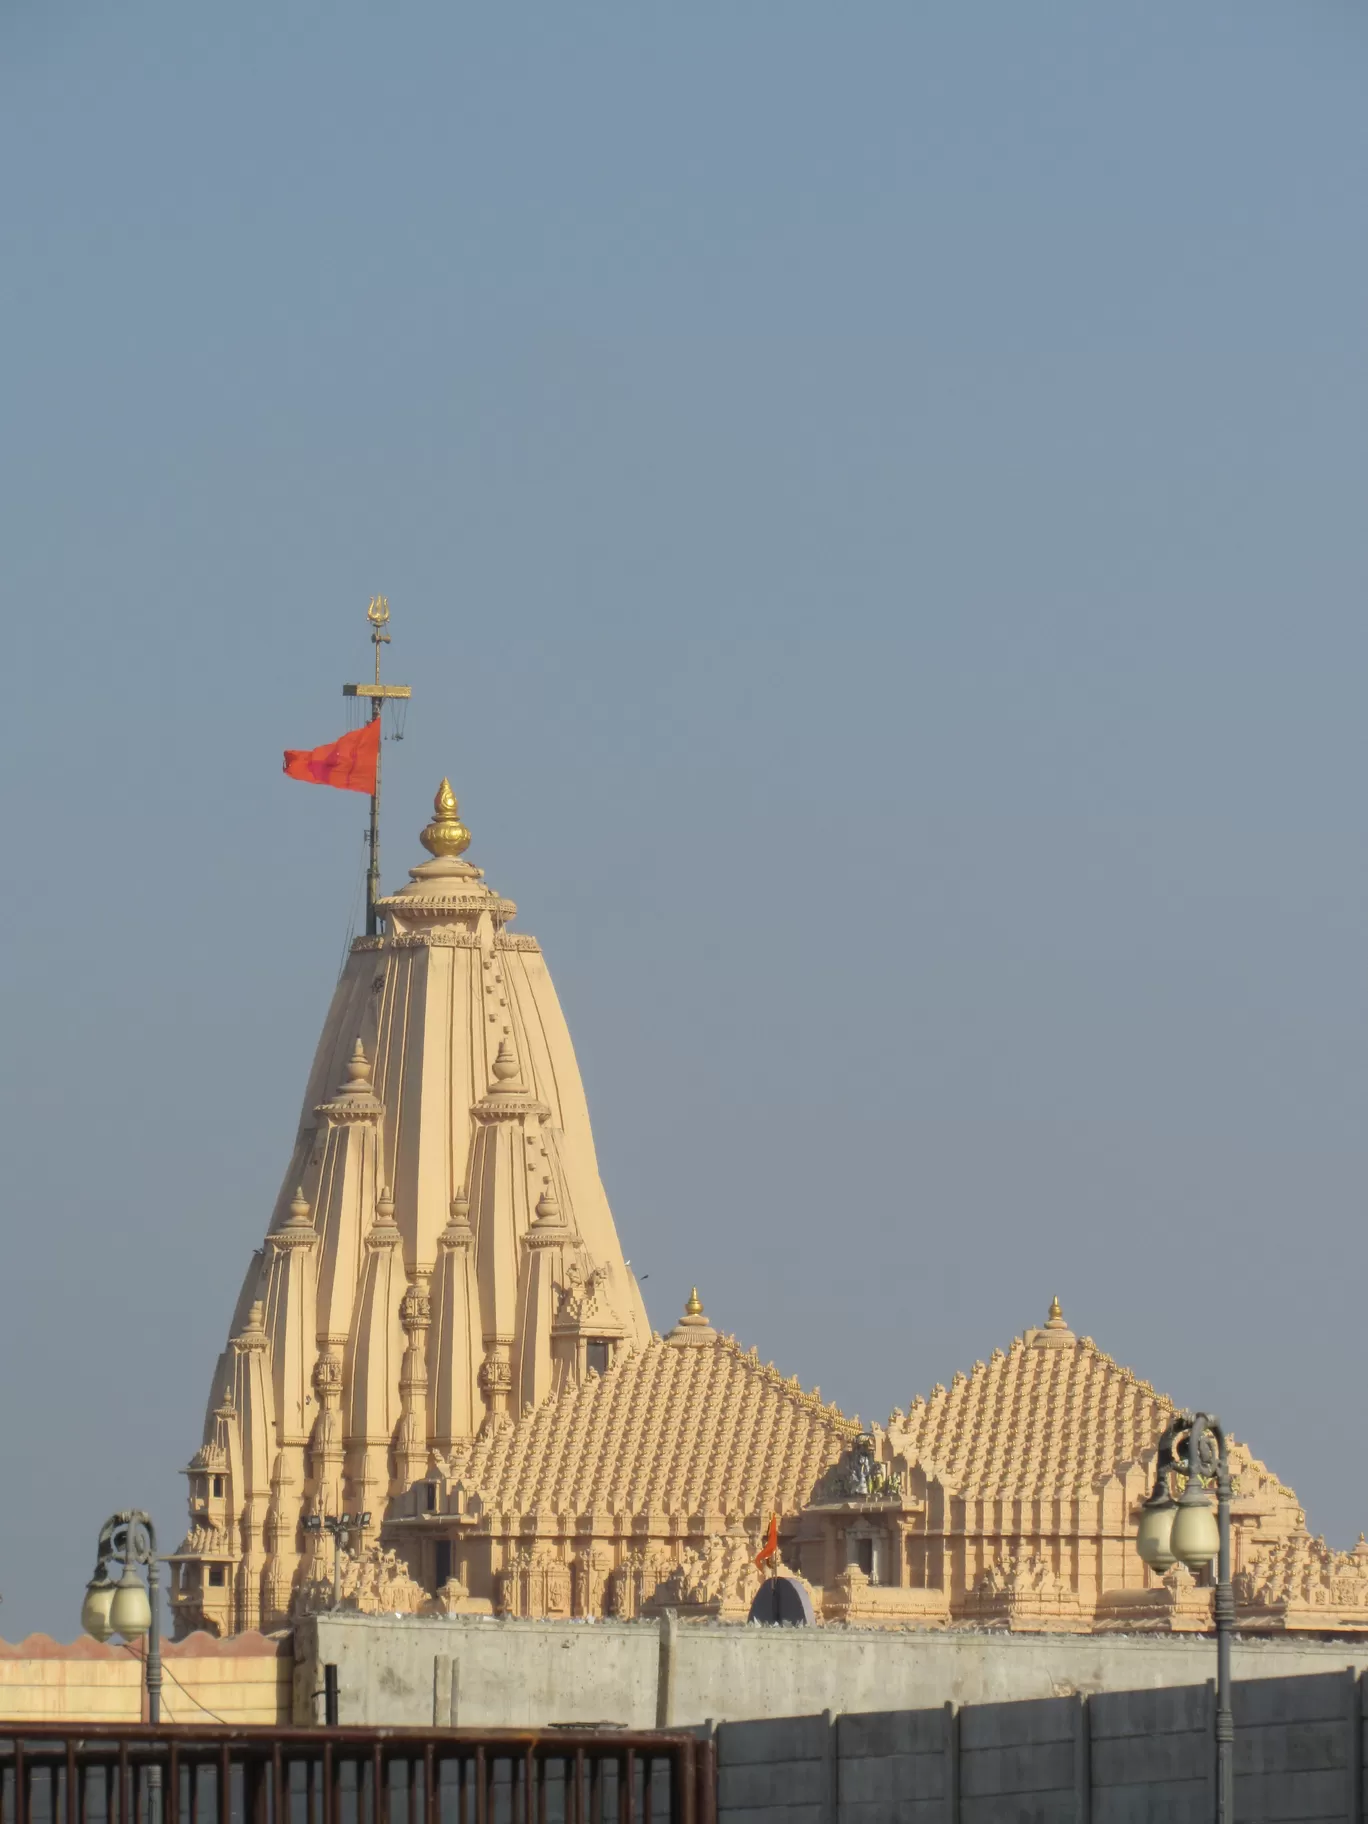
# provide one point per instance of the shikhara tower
(441, 1256)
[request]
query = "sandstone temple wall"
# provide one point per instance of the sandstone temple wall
(248, 1679)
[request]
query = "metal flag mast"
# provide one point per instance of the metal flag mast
(378, 616)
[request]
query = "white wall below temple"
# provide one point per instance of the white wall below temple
(533, 1673)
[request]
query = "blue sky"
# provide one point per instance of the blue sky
(871, 501)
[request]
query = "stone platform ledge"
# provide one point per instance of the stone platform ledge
(195, 1646)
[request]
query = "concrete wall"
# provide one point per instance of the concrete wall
(647, 1674)
(1117, 1758)
(247, 1679)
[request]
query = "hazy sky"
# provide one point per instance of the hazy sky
(872, 502)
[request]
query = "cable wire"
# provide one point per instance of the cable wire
(168, 1673)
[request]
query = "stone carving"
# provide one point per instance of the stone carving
(212, 1541)
(579, 1290)
(636, 1579)
(860, 1476)
(589, 1573)
(1301, 1580)
(1025, 1594)
(720, 1579)
(373, 1582)
(535, 1584)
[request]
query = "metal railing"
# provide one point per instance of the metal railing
(181, 1774)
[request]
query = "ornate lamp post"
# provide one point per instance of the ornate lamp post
(128, 1607)
(341, 1527)
(1194, 1446)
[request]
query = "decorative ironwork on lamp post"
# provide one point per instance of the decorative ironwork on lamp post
(1193, 1446)
(131, 1609)
(128, 1607)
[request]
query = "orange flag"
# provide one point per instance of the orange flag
(770, 1549)
(348, 763)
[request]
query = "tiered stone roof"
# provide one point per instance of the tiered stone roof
(692, 1424)
(1054, 1413)
(1046, 1415)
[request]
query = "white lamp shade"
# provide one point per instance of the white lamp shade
(1153, 1541)
(95, 1609)
(1196, 1533)
(130, 1613)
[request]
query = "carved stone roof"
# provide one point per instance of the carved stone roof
(1032, 1421)
(1052, 1413)
(704, 1429)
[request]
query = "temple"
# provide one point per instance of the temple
(441, 1332)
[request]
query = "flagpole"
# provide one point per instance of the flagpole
(378, 616)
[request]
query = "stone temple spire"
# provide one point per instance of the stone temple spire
(392, 1317)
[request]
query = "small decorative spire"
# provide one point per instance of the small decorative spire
(446, 836)
(548, 1210)
(505, 1066)
(299, 1208)
(253, 1332)
(458, 1232)
(358, 1073)
(693, 1327)
(384, 1232)
(1054, 1333)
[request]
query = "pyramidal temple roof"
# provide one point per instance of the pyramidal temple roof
(691, 1424)
(1052, 1413)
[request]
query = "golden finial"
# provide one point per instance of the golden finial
(446, 835)
(378, 612)
(1055, 1321)
(694, 1308)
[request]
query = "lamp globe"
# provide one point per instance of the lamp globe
(1196, 1535)
(130, 1613)
(1154, 1539)
(99, 1598)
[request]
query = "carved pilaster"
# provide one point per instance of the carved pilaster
(410, 1436)
(496, 1380)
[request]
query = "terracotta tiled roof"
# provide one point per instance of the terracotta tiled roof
(670, 1429)
(1044, 1416)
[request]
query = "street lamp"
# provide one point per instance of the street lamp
(128, 1607)
(131, 1609)
(341, 1527)
(1193, 1446)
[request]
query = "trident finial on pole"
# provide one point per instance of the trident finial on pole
(378, 615)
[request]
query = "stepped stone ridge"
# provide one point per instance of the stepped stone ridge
(441, 1330)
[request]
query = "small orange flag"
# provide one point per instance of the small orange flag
(770, 1549)
(349, 763)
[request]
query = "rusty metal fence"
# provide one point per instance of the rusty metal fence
(126, 1774)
